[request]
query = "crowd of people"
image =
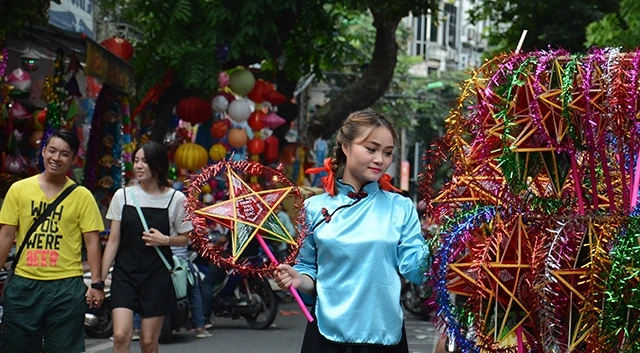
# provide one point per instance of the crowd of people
(350, 265)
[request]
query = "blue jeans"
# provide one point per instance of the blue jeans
(214, 276)
(195, 303)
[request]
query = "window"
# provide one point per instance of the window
(452, 19)
(433, 37)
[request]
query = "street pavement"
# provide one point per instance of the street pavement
(284, 336)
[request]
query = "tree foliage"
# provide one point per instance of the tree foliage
(555, 23)
(621, 28)
(290, 37)
(19, 14)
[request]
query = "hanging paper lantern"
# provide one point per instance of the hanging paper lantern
(42, 116)
(256, 121)
(190, 156)
(120, 47)
(271, 149)
(19, 79)
(241, 81)
(18, 111)
(219, 103)
(259, 90)
(37, 125)
(237, 138)
(35, 140)
(239, 110)
(194, 110)
(219, 129)
(274, 97)
(273, 120)
(223, 80)
(217, 152)
(255, 146)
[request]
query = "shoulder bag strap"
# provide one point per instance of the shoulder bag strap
(146, 228)
(52, 206)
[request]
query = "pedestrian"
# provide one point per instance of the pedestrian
(140, 281)
(363, 239)
(45, 300)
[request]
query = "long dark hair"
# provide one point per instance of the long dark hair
(158, 161)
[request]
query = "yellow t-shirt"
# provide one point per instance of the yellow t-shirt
(54, 249)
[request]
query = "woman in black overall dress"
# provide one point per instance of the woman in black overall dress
(140, 280)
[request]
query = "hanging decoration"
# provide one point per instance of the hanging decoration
(539, 222)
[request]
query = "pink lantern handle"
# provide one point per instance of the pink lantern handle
(294, 292)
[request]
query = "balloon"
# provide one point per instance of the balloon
(241, 81)
(219, 129)
(217, 152)
(239, 110)
(273, 120)
(237, 138)
(256, 120)
(19, 79)
(219, 103)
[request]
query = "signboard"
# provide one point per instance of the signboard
(404, 175)
(106, 66)
(73, 15)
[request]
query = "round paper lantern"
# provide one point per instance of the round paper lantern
(271, 149)
(237, 138)
(259, 90)
(42, 116)
(241, 81)
(119, 46)
(217, 152)
(219, 103)
(35, 139)
(19, 79)
(37, 125)
(191, 156)
(18, 111)
(219, 129)
(255, 120)
(194, 110)
(274, 97)
(239, 110)
(273, 120)
(255, 146)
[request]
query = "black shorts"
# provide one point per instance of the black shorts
(148, 294)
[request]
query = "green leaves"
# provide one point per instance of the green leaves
(617, 29)
(17, 14)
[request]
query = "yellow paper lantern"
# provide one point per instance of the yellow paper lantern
(191, 156)
(217, 152)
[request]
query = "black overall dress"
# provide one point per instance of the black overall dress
(140, 280)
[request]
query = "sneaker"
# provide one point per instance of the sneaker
(203, 334)
(207, 324)
(135, 336)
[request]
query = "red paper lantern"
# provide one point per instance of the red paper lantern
(255, 146)
(119, 46)
(219, 129)
(274, 97)
(271, 149)
(194, 110)
(259, 90)
(255, 120)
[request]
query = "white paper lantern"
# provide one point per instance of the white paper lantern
(239, 110)
(19, 79)
(219, 103)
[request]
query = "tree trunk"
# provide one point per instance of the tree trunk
(365, 91)
(164, 110)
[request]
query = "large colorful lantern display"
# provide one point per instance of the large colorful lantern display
(539, 222)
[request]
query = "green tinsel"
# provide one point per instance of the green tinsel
(565, 96)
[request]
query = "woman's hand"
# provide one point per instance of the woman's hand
(286, 277)
(155, 237)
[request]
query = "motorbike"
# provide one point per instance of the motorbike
(98, 322)
(413, 298)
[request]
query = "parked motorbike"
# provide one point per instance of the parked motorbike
(413, 298)
(98, 322)
(175, 321)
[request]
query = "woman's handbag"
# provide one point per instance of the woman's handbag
(180, 275)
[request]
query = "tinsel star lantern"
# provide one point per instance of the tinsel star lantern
(248, 214)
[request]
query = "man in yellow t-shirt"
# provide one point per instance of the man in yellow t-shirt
(46, 298)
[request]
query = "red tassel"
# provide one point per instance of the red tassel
(329, 180)
(385, 184)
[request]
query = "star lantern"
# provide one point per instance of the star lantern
(248, 214)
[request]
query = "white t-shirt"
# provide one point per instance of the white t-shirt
(177, 212)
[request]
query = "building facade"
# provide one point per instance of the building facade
(448, 41)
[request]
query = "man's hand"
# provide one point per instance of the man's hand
(95, 298)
